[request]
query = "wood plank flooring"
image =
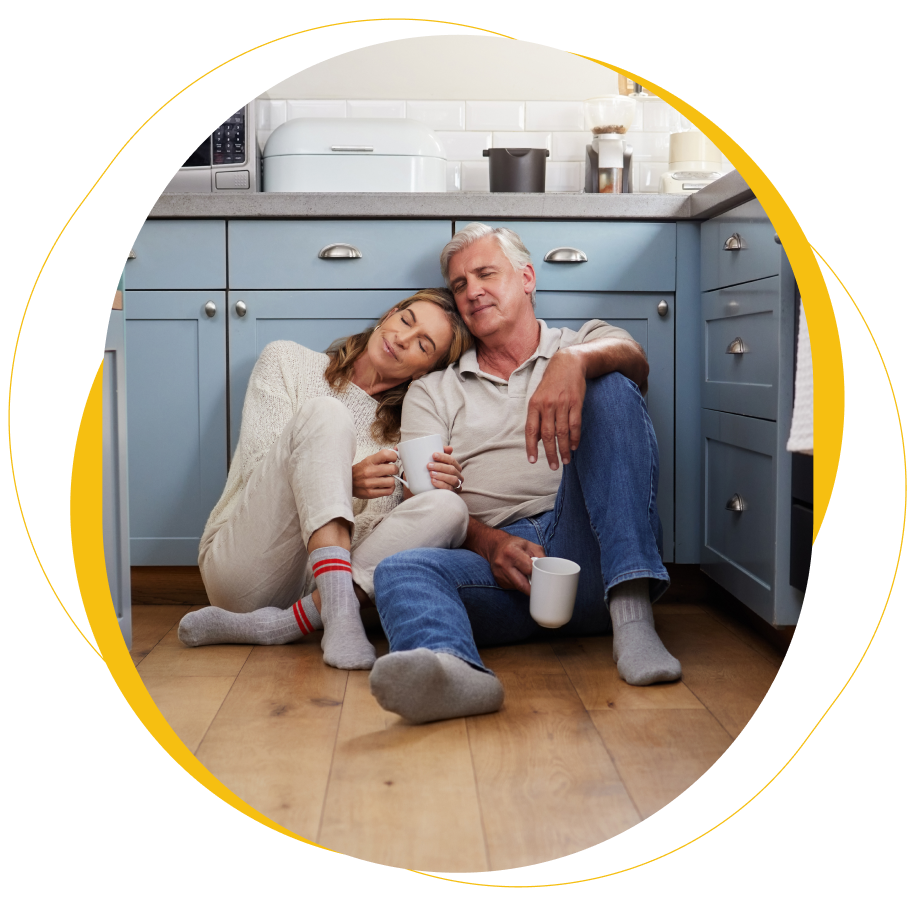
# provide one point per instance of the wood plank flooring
(574, 757)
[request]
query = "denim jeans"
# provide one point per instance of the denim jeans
(604, 518)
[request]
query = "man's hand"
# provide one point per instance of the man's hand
(555, 408)
(508, 555)
(372, 477)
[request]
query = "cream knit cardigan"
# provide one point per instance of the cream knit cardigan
(284, 377)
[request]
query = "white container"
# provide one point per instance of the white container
(693, 161)
(353, 155)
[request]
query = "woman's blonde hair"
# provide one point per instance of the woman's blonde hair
(345, 352)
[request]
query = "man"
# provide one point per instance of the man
(577, 393)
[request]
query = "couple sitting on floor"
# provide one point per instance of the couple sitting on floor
(312, 514)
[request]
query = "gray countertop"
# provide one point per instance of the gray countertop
(724, 193)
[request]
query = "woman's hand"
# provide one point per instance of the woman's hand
(372, 477)
(445, 471)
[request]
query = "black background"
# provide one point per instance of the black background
(89, 88)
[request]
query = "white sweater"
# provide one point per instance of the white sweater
(284, 377)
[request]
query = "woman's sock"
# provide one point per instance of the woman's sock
(344, 642)
(640, 655)
(265, 627)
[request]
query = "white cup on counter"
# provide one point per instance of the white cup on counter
(554, 581)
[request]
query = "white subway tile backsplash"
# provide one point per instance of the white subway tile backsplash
(475, 176)
(657, 116)
(295, 109)
(453, 176)
(521, 140)
(555, 115)
(492, 115)
(646, 175)
(565, 176)
(387, 109)
(464, 146)
(271, 114)
(569, 146)
(649, 146)
(437, 114)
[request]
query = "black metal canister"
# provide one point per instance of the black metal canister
(517, 169)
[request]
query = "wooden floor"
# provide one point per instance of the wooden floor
(574, 757)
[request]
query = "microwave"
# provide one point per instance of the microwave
(228, 160)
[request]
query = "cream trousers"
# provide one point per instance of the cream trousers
(257, 558)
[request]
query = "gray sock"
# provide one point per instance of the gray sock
(421, 685)
(265, 627)
(640, 656)
(344, 642)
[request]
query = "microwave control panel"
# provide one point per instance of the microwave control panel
(229, 140)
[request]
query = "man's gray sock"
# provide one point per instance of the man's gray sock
(421, 685)
(265, 627)
(344, 642)
(640, 655)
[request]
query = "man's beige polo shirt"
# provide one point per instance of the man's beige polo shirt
(483, 418)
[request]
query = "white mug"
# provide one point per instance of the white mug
(554, 581)
(414, 456)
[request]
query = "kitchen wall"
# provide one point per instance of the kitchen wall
(477, 93)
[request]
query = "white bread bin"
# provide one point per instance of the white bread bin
(353, 155)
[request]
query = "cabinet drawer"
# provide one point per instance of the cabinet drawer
(743, 317)
(178, 255)
(759, 255)
(283, 255)
(626, 257)
(739, 545)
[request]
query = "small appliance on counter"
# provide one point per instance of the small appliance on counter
(694, 162)
(608, 157)
(517, 169)
(353, 155)
(226, 161)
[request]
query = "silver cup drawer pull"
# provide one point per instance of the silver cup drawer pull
(737, 347)
(734, 243)
(241, 309)
(566, 255)
(210, 308)
(340, 250)
(736, 504)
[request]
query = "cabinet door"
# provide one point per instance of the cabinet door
(314, 318)
(638, 314)
(176, 417)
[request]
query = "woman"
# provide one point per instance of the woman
(312, 481)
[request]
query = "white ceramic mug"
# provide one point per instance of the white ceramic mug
(414, 456)
(554, 581)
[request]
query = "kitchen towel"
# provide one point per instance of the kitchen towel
(801, 434)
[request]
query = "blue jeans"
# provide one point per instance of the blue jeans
(604, 518)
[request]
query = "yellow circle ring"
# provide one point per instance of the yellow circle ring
(86, 483)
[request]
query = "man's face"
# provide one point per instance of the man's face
(493, 298)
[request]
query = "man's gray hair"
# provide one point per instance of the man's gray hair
(509, 241)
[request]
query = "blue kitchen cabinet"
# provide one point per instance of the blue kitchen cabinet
(746, 388)
(178, 255)
(115, 531)
(176, 419)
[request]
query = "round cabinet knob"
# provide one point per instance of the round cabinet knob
(210, 308)
(663, 308)
(776, 239)
(241, 309)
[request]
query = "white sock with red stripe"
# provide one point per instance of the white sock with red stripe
(265, 627)
(344, 643)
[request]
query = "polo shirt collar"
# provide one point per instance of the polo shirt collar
(548, 344)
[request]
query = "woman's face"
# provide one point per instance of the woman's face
(409, 342)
